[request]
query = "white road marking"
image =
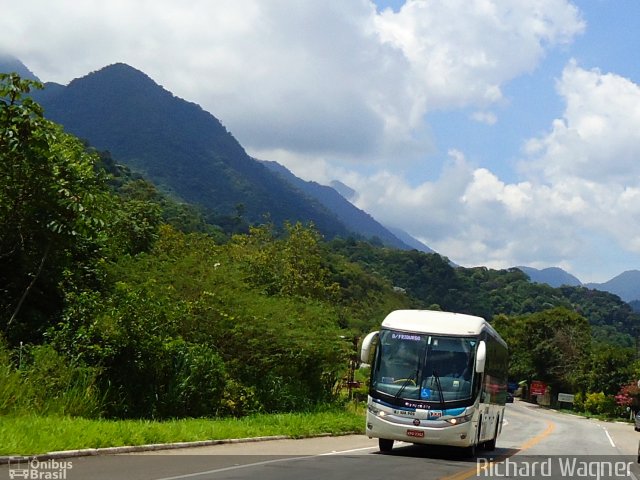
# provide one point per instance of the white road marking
(606, 432)
(631, 474)
(339, 452)
(235, 467)
(265, 462)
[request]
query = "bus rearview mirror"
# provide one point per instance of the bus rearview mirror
(481, 356)
(367, 344)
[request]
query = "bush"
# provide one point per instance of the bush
(195, 379)
(180, 333)
(239, 400)
(48, 384)
(600, 404)
(10, 382)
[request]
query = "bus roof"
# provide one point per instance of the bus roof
(430, 321)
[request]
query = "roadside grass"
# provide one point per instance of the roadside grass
(604, 417)
(33, 434)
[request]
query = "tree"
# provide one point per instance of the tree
(51, 209)
(553, 345)
(629, 396)
(611, 367)
(289, 266)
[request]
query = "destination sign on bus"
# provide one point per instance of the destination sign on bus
(406, 336)
(423, 406)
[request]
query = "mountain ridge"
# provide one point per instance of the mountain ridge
(225, 175)
(11, 64)
(179, 146)
(553, 276)
(626, 285)
(88, 104)
(349, 214)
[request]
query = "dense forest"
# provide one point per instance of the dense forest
(119, 301)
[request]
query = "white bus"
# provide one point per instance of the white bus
(437, 378)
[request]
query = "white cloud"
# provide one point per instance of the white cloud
(580, 200)
(334, 80)
(593, 152)
(461, 51)
(427, 209)
(597, 139)
(488, 118)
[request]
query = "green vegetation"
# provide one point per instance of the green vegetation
(119, 302)
(45, 382)
(150, 320)
(553, 346)
(38, 434)
(430, 280)
(556, 346)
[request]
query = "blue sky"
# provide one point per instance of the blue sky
(499, 133)
(609, 42)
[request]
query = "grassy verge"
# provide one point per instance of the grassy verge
(603, 417)
(27, 435)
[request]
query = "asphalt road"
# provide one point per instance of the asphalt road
(535, 443)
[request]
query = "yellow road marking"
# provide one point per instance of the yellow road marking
(528, 444)
(550, 428)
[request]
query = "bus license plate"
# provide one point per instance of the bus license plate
(415, 433)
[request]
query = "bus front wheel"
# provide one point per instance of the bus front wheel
(385, 444)
(491, 444)
(470, 452)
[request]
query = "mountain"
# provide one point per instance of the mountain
(553, 276)
(338, 199)
(9, 64)
(359, 221)
(626, 285)
(179, 146)
(188, 152)
(344, 190)
(352, 196)
(409, 240)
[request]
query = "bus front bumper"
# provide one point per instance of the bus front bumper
(389, 427)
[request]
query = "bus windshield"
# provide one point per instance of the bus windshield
(418, 366)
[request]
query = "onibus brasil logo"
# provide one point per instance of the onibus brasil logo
(32, 468)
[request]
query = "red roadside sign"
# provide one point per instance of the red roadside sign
(538, 387)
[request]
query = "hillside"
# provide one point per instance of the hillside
(10, 64)
(409, 240)
(178, 146)
(358, 221)
(430, 279)
(626, 285)
(554, 276)
(188, 152)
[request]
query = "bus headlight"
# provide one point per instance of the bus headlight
(375, 411)
(459, 420)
